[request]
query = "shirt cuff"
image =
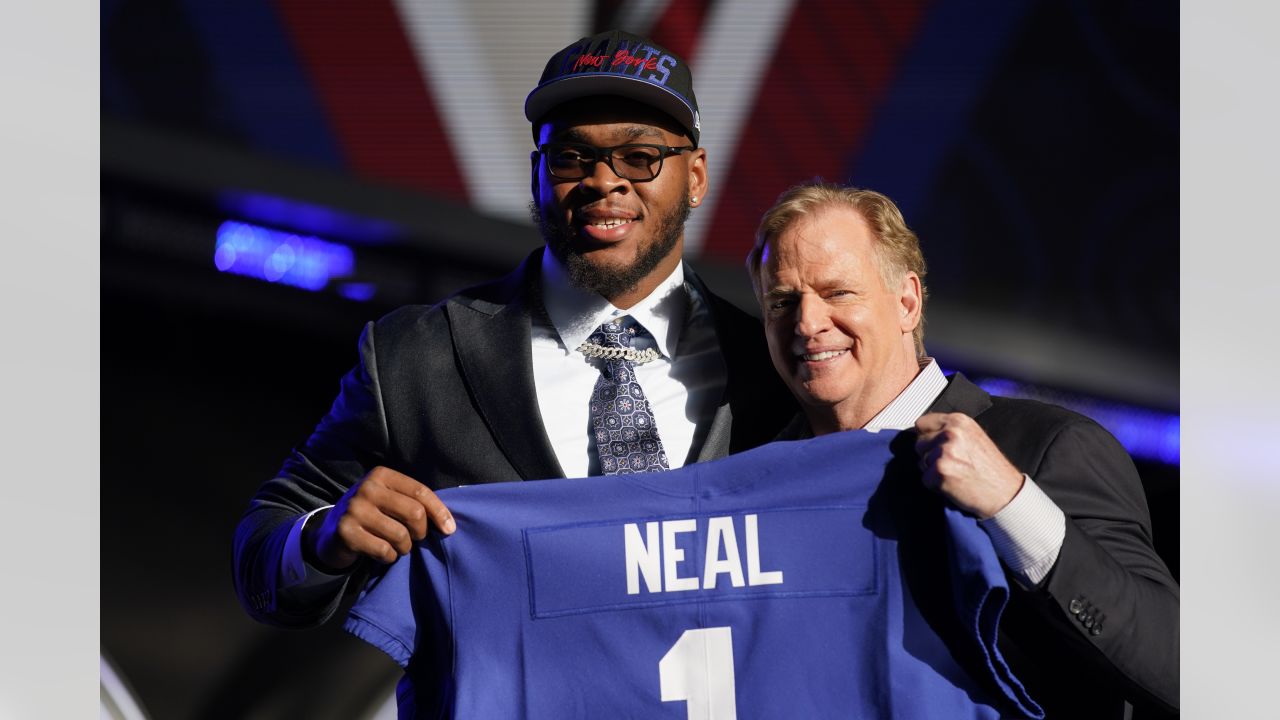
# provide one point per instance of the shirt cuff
(1028, 533)
(295, 572)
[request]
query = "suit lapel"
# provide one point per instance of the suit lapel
(492, 339)
(715, 442)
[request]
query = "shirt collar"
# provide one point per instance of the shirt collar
(913, 401)
(576, 313)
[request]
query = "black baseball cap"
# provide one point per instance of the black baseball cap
(617, 63)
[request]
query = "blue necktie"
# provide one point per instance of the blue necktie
(622, 422)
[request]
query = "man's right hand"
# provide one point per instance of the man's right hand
(379, 517)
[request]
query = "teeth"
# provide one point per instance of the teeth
(609, 223)
(826, 355)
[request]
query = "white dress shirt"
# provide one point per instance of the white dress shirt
(684, 384)
(1028, 532)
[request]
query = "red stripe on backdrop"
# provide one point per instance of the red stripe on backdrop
(379, 105)
(833, 66)
(679, 26)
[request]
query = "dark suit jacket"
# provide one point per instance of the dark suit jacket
(1102, 628)
(445, 394)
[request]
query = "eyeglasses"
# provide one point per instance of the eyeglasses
(637, 162)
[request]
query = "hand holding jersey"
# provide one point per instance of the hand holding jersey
(961, 462)
(379, 517)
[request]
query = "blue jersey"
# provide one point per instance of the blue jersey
(763, 585)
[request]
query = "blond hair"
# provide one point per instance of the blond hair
(897, 247)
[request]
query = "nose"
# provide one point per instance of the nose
(603, 180)
(812, 316)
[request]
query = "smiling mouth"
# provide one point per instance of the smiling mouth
(608, 224)
(821, 356)
(604, 231)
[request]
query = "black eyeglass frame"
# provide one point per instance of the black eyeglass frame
(587, 166)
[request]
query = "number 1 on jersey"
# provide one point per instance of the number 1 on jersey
(699, 670)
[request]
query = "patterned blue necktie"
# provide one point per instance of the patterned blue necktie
(622, 422)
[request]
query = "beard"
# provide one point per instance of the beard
(610, 282)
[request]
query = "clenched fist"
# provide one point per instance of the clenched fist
(379, 517)
(961, 462)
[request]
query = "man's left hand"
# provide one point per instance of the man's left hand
(961, 462)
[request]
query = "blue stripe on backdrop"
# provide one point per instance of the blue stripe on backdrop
(266, 91)
(310, 218)
(1145, 433)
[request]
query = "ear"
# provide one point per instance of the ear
(911, 302)
(698, 174)
(533, 174)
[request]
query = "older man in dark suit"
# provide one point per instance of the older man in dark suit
(1093, 621)
(602, 354)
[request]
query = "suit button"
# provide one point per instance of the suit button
(1088, 622)
(1075, 606)
(1096, 631)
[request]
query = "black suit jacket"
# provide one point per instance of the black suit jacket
(1103, 626)
(445, 394)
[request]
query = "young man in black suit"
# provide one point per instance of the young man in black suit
(1093, 620)
(502, 382)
